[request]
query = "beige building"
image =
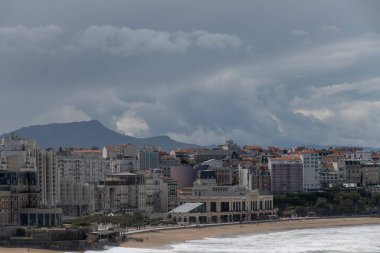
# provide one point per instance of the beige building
(121, 158)
(120, 151)
(161, 192)
(168, 196)
(215, 204)
(17, 153)
(371, 173)
(153, 184)
(353, 171)
(328, 178)
(121, 192)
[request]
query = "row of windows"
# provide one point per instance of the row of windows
(219, 189)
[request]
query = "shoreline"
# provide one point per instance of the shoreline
(161, 239)
(165, 238)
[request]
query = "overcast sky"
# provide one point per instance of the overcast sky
(259, 72)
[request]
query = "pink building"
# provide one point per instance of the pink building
(286, 174)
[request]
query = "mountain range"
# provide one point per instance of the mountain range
(87, 134)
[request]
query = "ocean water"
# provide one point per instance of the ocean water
(325, 240)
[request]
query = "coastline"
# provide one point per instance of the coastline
(164, 238)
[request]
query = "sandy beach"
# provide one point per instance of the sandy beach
(165, 237)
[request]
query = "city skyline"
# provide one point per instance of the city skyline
(256, 72)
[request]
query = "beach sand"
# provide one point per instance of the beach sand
(166, 237)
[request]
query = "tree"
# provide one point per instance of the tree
(184, 161)
(346, 205)
(300, 210)
(321, 202)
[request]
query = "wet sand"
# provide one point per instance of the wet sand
(165, 237)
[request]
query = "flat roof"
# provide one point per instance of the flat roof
(123, 174)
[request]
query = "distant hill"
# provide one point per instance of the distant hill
(91, 133)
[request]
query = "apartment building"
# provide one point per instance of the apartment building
(169, 189)
(371, 173)
(26, 182)
(328, 177)
(120, 151)
(353, 172)
(79, 171)
(259, 178)
(286, 174)
(121, 192)
(17, 153)
(184, 175)
(48, 177)
(166, 162)
(149, 157)
(311, 169)
(153, 184)
(121, 158)
(218, 154)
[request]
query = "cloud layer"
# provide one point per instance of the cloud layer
(125, 41)
(256, 72)
(19, 39)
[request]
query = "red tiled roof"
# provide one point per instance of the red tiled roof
(88, 151)
(285, 158)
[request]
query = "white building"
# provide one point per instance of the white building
(361, 155)
(311, 169)
(120, 151)
(244, 178)
(122, 165)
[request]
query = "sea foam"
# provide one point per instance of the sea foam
(324, 240)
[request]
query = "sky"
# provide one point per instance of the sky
(259, 72)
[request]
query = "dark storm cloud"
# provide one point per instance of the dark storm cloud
(267, 72)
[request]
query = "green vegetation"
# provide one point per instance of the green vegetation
(332, 202)
(20, 232)
(136, 219)
(185, 161)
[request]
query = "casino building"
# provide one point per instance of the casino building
(207, 202)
